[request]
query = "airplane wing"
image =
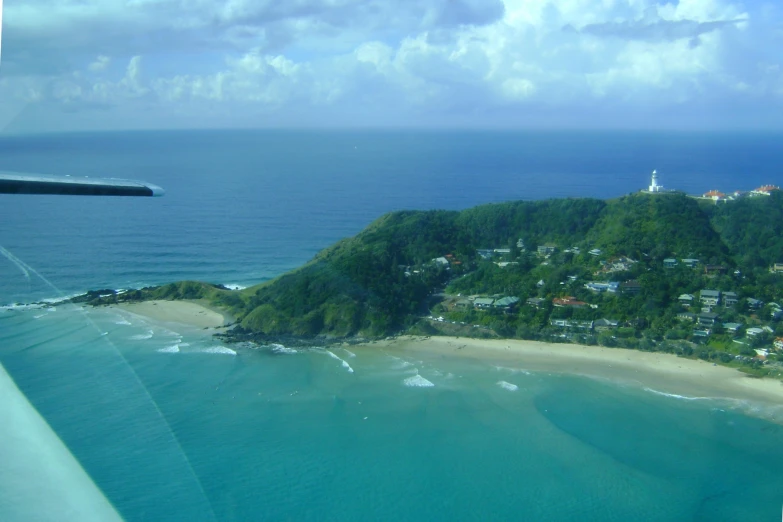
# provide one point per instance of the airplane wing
(15, 183)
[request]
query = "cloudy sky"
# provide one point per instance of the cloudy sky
(127, 64)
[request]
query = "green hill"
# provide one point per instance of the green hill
(383, 280)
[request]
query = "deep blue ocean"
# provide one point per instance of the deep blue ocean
(171, 425)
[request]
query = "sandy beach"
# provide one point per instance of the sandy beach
(183, 312)
(661, 372)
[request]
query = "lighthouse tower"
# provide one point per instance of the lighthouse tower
(654, 186)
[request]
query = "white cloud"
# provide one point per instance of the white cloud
(430, 60)
(100, 63)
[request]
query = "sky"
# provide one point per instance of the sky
(81, 65)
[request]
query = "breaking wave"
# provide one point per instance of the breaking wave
(170, 349)
(507, 386)
(417, 381)
(220, 349)
(142, 337)
(279, 348)
(345, 364)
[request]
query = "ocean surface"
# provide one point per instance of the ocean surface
(173, 425)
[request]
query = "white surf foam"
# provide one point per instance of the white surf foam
(38, 316)
(417, 381)
(507, 386)
(512, 370)
(170, 349)
(221, 350)
(279, 348)
(675, 396)
(350, 353)
(234, 286)
(122, 322)
(345, 364)
(142, 337)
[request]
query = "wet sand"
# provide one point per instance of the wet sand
(665, 373)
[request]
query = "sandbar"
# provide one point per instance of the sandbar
(183, 312)
(661, 372)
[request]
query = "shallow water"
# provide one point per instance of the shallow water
(172, 424)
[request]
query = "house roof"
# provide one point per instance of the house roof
(483, 301)
(710, 293)
(507, 301)
(686, 297)
(708, 315)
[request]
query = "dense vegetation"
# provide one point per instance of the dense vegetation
(387, 279)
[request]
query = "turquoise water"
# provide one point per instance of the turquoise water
(173, 425)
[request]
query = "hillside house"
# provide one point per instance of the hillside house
(714, 270)
(536, 302)
(483, 302)
(710, 297)
(686, 316)
(732, 327)
(778, 344)
(631, 287)
(545, 250)
(755, 304)
(596, 286)
(605, 324)
(506, 303)
(670, 263)
(569, 323)
(690, 263)
(707, 319)
(730, 298)
(686, 300)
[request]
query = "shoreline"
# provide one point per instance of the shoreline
(658, 372)
(191, 313)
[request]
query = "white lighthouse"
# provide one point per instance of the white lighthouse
(654, 186)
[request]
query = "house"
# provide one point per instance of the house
(776, 314)
(707, 319)
(753, 332)
(502, 251)
(686, 300)
(778, 344)
(536, 301)
(483, 302)
(506, 303)
(463, 304)
(670, 263)
(755, 304)
(441, 261)
(729, 298)
(702, 333)
(710, 297)
(714, 195)
(761, 354)
(732, 327)
(686, 316)
(595, 252)
(540, 283)
(605, 324)
(485, 253)
(631, 287)
(602, 286)
(777, 267)
(714, 269)
(764, 190)
(569, 323)
(504, 264)
(520, 244)
(545, 250)
(690, 263)
(568, 300)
